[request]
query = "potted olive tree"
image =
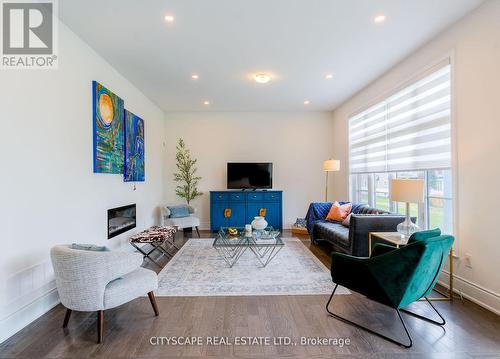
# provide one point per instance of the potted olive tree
(186, 176)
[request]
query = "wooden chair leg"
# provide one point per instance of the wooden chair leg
(100, 326)
(66, 317)
(152, 299)
(198, 231)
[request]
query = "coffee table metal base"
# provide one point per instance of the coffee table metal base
(264, 254)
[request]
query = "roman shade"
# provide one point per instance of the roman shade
(408, 131)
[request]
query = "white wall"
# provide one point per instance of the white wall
(296, 143)
(49, 193)
(475, 44)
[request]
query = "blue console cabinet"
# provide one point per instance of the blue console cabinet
(237, 208)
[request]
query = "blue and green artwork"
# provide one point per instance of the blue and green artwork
(108, 130)
(134, 148)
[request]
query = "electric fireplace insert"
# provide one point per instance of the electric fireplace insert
(121, 219)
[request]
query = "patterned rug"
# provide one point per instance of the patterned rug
(197, 270)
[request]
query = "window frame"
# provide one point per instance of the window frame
(423, 210)
(450, 56)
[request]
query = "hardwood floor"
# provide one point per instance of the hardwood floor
(470, 332)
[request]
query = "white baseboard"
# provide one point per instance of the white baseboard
(472, 291)
(22, 317)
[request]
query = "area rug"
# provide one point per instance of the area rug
(198, 270)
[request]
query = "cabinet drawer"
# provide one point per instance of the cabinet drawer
(252, 197)
(219, 196)
(236, 197)
(272, 197)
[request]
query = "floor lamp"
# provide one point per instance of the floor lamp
(330, 166)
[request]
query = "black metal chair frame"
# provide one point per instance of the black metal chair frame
(441, 323)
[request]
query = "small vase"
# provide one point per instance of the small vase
(259, 223)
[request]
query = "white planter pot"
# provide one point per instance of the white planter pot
(259, 223)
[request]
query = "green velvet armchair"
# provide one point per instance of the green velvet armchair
(395, 277)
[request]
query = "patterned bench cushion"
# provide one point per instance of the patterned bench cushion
(154, 234)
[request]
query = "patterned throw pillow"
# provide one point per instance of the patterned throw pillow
(339, 212)
(179, 211)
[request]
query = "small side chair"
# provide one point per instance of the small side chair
(94, 281)
(181, 222)
(395, 277)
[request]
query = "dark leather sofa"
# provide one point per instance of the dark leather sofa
(351, 240)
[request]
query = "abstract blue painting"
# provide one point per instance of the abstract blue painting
(134, 148)
(108, 130)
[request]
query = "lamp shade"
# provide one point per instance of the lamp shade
(331, 165)
(407, 190)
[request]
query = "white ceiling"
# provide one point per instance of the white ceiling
(224, 41)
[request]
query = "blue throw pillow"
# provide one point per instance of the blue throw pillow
(89, 247)
(179, 211)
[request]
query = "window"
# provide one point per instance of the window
(407, 135)
(382, 191)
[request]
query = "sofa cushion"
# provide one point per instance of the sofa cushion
(183, 222)
(333, 232)
(369, 210)
(356, 207)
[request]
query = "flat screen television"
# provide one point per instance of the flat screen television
(249, 175)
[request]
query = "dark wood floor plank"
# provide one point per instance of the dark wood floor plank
(471, 331)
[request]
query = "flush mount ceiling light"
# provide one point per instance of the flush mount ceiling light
(262, 78)
(195, 76)
(329, 76)
(307, 102)
(206, 103)
(169, 18)
(379, 19)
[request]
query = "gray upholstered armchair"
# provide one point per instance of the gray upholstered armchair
(181, 222)
(91, 281)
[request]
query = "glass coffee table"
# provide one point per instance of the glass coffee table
(265, 244)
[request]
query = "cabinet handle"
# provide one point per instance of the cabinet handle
(262, 212)
(227, 213)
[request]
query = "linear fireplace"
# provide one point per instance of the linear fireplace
(121, 219)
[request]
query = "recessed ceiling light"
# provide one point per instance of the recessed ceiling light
(262, 78)
(206, 103)
(169, 18)
(307, 102)
(378, 19)
(195, 76)
(329, 76)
